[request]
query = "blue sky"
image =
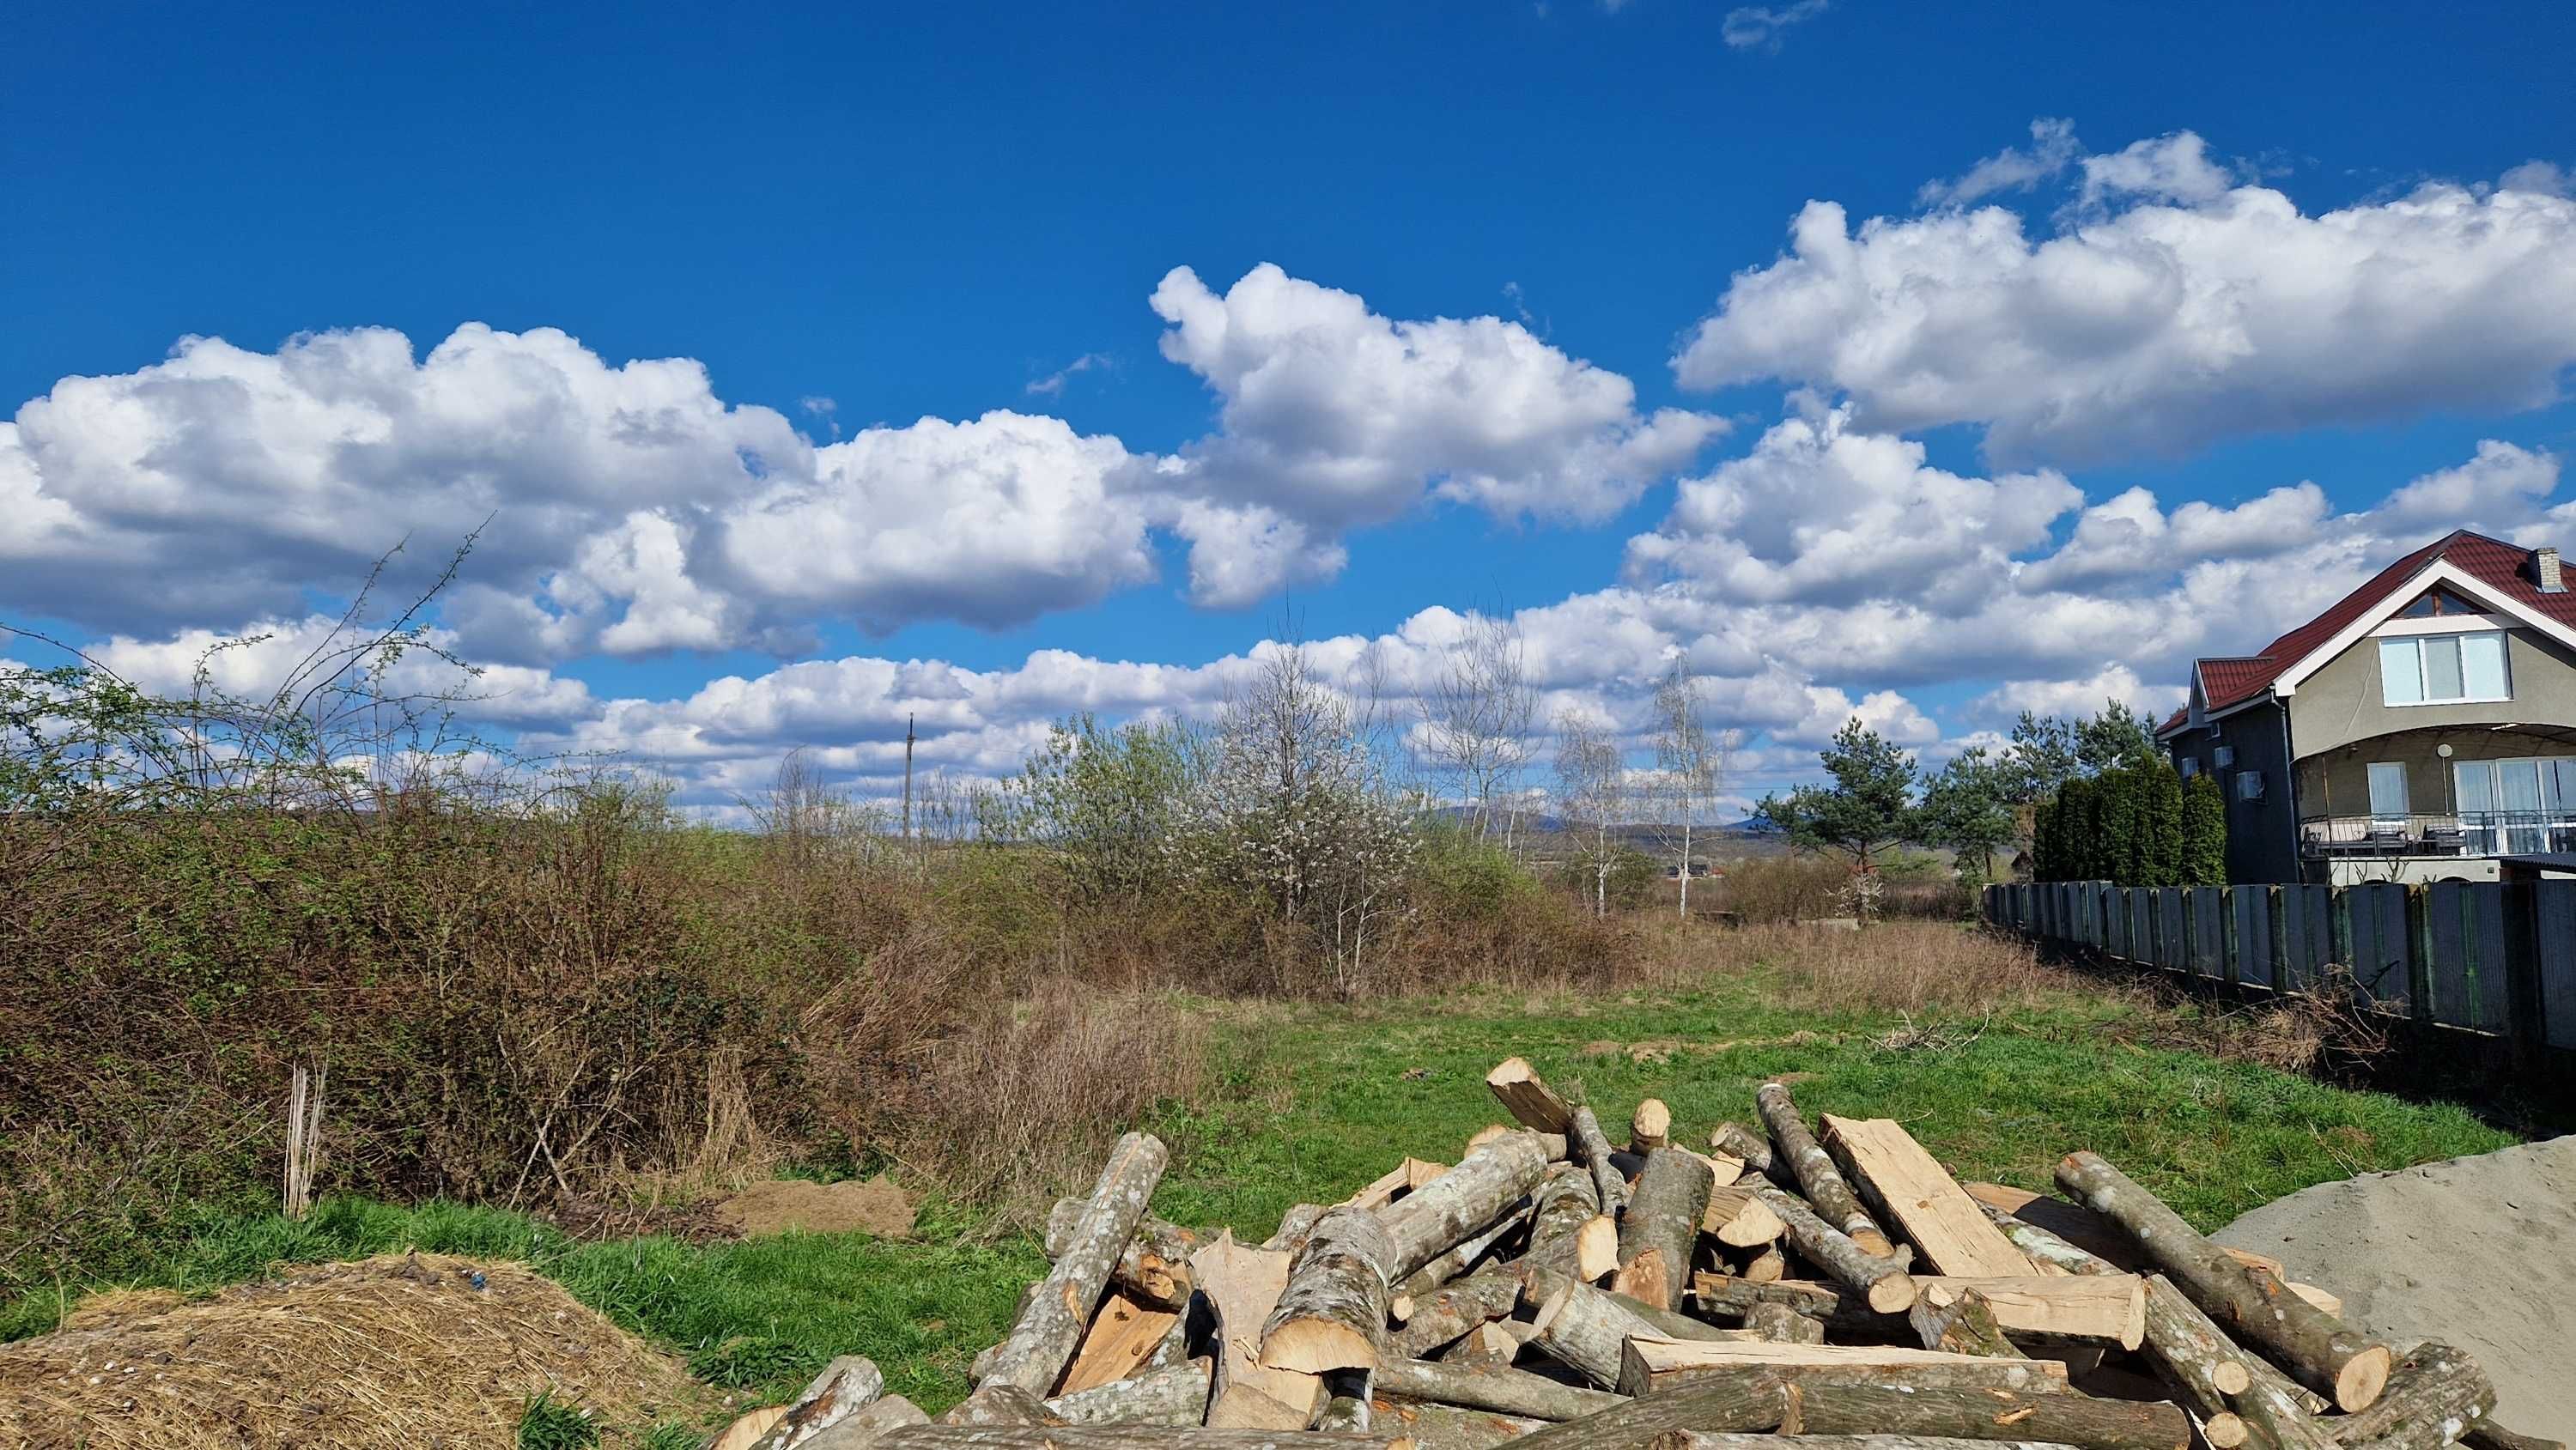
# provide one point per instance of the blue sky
(921, 213)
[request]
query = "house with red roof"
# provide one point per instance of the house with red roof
(2419, 729)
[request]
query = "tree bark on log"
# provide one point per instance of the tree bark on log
(1564, 1201)
(1347, 1410)
(1463, 1256)
(1888, 1288)
(1750, 1149)
(1960, 1321)
(846, 1386)
(1487, 1345)
(1587, 1329)
(1650, 1365)
(1447, 1427)
(1816, 1174)
(1154, 1268)
(1591, 1147)
(1730, 1294)
(1481, 1297)
(1756, 1402)
(1703, 1440)
(2046, 1249)
(1987, 1414)
(2492, 1436)
(1051, 1328)
(1508, 1391)
(999, 1403)
(1662, 1225)
(2219, 1381)
(1174, 1395)
(1118, 1437)
(1527, 1097)
(1294, 1226)
(1462, 1202)
(1776, 1321)
(1332, 1315)
(2436, 1394)
(2317, 1348)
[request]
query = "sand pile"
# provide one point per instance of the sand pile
(2476, 1252)
(404, 1351)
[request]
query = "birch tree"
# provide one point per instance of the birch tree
(1592, 797)
(1690, 766)
(1477, 711)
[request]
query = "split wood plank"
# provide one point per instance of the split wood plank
(1527, 1097)
(1914, 1193)
(1652, 1364)
(1739, 1220)
(1052, 1324)
(1243, 1285)
(1122, 1337)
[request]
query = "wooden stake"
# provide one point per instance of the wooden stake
(2315, 1346)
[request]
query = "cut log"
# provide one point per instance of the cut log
(1591, 1148)
(1462, 1202)
(1241, 1286)
(1403, 1178)
(1119, 1437)
(999, 1403)
(1650, 1365)
(1727, 1167)
(2045, 1249)
(1294, 1225)
(1174, 1395)
(1332, 1315)
(1049, 1330)
(1776, 1321)
(2317, 1348)
(1527, 1097)
(1466, 1254)
(1347, 1410)
(1748, 1148)
(1730, 1294)
(1587, 1329)
(1988, 1414)
(2191, 1350)
(1650, 1127)
(1817, 1176)
(1754, 1402)
(1509, 1391)
(1739, 1220)
(1561, 1205)
(1767, 1265)
(2436, 1394)
(1488, 1344)
(1915, 1195)
(1153, 1269)
(1480, 1298)
(846, 1386)
(1596, 1248)
(862, 1429)
(1661, 1225)
(1889, 1289)
(2070, 1222)
(1959, 1321)
(1123, 1335)
(1446, 1427)
(1703, 1440)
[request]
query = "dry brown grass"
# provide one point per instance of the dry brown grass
(1895, 966)
(394, 1352)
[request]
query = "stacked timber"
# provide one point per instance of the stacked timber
(1824, 1286)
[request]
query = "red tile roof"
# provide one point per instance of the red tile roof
(2503, 568)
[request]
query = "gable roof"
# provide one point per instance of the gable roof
(2491, 565)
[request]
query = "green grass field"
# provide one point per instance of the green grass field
(1315, 1101)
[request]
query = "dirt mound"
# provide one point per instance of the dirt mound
(2476, 1252)
(403, 1351)
(872, 1206)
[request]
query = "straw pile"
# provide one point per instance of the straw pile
(404, 1352)
(1796, 1287)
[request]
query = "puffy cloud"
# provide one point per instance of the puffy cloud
(2176, 309)
(1821, 512)
(2080, 696)
(2053, 148)
(2129, 537)
(260, 659)
(1333, 416)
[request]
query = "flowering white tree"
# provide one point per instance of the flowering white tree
(1288, 802)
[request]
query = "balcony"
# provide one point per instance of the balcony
(2462, 834)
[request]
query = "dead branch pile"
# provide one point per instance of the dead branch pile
(1786, 1288)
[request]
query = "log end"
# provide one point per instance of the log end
(1316, 1346)
(1596, 1248)
(1874, 1244)
(1893, 1294)
(2230, 1376)
(2359, 1382)
(2224, 1430)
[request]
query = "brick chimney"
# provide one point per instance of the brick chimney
(2544, 567)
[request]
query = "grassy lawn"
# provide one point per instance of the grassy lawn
(1316, 1101)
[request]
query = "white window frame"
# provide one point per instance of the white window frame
(2405, 794)
(2423, 683)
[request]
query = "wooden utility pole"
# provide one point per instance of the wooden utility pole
(907, 777)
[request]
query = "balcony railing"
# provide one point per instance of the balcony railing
(2462, 833)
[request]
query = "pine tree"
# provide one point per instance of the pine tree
(2163, 821)
(2204, 833)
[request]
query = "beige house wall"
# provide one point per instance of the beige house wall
(2337, 783)
(2341, 704)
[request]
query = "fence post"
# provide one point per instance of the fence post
(2523, 1016)
(2228, 945)
(2419, 951)
(2339, 929)
(2279, 902)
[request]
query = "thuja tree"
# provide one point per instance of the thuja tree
(2204, 833)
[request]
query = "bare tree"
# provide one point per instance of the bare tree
(1477, 711)
(1592, 797)
(1690, 765)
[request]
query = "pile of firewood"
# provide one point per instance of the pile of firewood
(1840, 1289)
